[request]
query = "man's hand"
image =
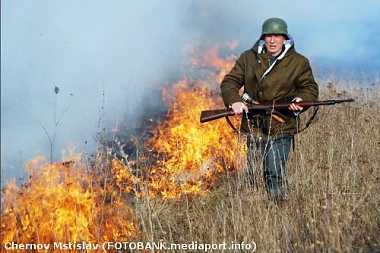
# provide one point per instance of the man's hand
(239, 108)
(294, 107)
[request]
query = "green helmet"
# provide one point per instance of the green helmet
(274, 26)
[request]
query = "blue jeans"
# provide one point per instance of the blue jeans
(272, 153)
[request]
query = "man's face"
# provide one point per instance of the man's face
(273, 43)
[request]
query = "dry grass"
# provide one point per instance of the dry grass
(335, 192)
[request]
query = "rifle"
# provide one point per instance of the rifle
(210, 115)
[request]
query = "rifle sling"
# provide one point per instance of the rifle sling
(312, 118)
(231, 125)
(308, 123)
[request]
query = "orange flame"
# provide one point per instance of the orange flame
(75, 202)
(190, 154)
(63, 202)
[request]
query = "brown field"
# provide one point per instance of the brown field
(334, 180)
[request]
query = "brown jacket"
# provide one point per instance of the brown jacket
(289, 77)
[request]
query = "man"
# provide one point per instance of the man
(271, 70)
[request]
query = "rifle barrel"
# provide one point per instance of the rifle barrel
(305, 103)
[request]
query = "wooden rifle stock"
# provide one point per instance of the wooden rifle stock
(210, 115)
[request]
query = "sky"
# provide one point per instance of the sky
(109, 57)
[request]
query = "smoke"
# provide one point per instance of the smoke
(109, 57)
(105, 57)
